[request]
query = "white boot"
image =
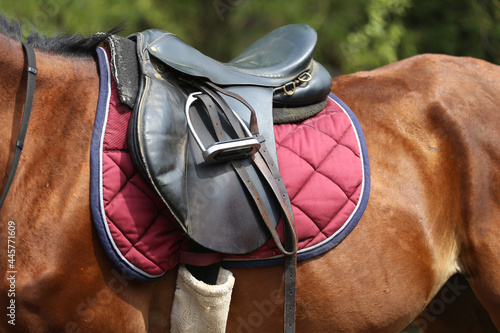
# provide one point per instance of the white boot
(200, 307)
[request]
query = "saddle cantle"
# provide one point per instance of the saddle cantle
(184, 96)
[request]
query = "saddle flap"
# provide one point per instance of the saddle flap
(221, 214)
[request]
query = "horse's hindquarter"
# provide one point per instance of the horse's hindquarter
(431, 125)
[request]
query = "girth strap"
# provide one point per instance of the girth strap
(30, 92)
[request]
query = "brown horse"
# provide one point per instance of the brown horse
(431, 124)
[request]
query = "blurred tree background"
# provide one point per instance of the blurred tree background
(353, 35)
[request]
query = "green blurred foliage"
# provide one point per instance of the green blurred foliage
(353, 35)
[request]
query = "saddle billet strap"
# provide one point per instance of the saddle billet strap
(287, 219)
(226, 110)
(290, 288)
(269, 170)
(290, 247)
(254, 126)
(290, 239)
(264, 163)
(30, 93)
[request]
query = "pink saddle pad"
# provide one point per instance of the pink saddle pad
(323, 163)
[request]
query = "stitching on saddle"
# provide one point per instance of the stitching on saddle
(306, 123)
(324, 160)
(150, 224)
(343, 144)
(129, 180)
(124, 150)
(310, 219)
(354, 192)
(150, 197)
(305, 242)
(157, 40)
(338, 142)
(312, 173)
(322, 230)
(341, 191)
(274, 76)
(122, 186)
(238, 70)
(327, 157)
(143, 256)
(133, 244)
(348, 199)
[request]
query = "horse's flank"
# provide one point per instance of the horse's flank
(437, 117)
(431, 125)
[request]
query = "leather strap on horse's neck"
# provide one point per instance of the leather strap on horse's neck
(30, 92)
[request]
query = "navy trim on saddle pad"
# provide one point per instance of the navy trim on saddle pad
(96, 203)
(348, 226)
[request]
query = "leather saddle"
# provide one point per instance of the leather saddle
(202, 132)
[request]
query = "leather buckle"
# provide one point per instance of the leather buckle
(304, 77)
(292, 88)
(223, 151)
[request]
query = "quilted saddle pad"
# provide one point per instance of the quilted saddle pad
(323, 162)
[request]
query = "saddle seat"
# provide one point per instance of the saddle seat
(276, 60)
(271, 61)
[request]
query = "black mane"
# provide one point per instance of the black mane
(63, 44)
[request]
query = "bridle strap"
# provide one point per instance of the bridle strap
(30, 92)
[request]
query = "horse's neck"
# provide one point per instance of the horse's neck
(57, 80)
(11, 63)
(62, 116)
